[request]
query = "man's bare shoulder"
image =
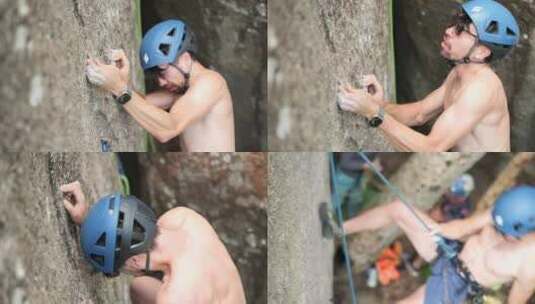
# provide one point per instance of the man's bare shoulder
(177, 215)
(211, 78)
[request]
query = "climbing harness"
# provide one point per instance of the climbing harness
(439, 239)
(337, 206)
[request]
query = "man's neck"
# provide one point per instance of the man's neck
(196, 69)
(469, 69)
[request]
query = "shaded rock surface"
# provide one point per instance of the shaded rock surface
(229, 189)
(419, 28)
(46, 102)
(311, 46)
(40, 254)
(232, 40)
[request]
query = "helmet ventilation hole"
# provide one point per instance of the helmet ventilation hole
(121, 220)
(171, 32)
(164, 48)
(98, 259)
(510, 32)
(518, 226)
(111, 206)
(492, 28)
(102, 240)
(118, 243)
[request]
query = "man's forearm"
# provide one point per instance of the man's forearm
(156, 121)
(408, 114)
(405, 139)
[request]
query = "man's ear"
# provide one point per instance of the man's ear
(483, 52)
(184, 61)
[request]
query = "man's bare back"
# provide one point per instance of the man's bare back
(201, 269)
(492, 131)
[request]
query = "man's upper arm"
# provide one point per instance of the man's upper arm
(458, 229)
(197, 101)
(161, 99)
(461, 118)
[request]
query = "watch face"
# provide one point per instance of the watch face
(124, 98)
(375, 122)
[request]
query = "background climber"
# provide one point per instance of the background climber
(194, 101)
(175, 258)
(471, 104)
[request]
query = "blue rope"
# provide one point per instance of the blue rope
(337, 206)
(439, 239)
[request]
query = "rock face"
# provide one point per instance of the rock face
(40, 254)
(46, 102)
(300, 259)
(232, 40)
(420, 68)
(229, 190)
(311, 46)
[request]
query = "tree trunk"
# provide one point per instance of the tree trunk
(423, 179)
(311, 46)
(46, 102)
(232, 40)
(505, 180)
(300, 260)
(40, 254)
(420, 25)
(229, 189)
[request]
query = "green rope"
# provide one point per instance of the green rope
(123, 179)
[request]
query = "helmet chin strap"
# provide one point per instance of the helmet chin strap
(466, 59)
(147, 263)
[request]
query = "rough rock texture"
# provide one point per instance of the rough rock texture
(232, 40)
(312, 45)
(422, 179)
(300, 260)
(230, 190)
(40, 255)
(46, 102)
(419, 27)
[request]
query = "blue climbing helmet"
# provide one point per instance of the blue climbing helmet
(496, 26)
(514, 211)
(115, 229)
(463, 185)
(164, 42)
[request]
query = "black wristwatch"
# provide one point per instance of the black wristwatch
(378, 119)
(124, 97)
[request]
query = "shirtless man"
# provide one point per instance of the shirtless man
(471, 104)
(181, 244)
(194, 102)
(499, 247)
